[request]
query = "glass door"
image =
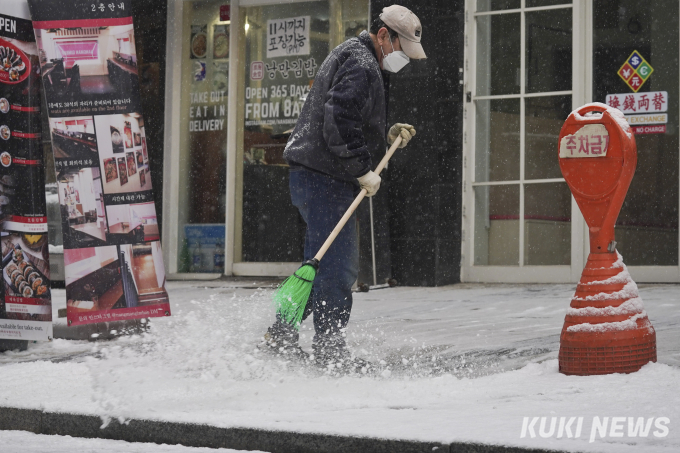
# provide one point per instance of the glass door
(635, 69)
(282, 45)
(519, 208)
(202, 136)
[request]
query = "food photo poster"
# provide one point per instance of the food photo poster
(113, 262)
(25, 296)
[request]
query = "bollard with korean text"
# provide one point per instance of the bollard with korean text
(606, 329)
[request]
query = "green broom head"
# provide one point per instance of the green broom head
(291, 297)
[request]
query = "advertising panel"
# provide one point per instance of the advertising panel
(25, 302)
(112, 256)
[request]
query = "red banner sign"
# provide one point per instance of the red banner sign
(21, 219)
(73, 51)
(656, 129)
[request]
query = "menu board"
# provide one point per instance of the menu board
(113, 262)
(25, 302)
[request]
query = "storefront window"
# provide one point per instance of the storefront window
(203, 137)
(283, 47)
(644, 35)
(523, 94)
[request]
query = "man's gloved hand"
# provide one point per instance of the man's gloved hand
(371, 182)
(405, 130)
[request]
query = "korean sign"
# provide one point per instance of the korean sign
(591, 140)
(113, 263)
(288, 37)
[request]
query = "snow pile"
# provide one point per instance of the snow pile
(629, 307)
(619, 261)
(617, 264)
(616, 114)
(621, 277)
(52, 198)
(56, 249)
(629, 291)
(628, 324)
(633, 305)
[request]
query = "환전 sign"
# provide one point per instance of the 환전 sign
(649, 102)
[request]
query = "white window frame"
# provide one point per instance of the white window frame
(582, 88)
(519, 273)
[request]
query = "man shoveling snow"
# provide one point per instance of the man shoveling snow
(341, 125)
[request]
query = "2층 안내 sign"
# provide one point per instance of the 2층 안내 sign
(113, 262)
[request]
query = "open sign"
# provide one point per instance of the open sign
(598, 156)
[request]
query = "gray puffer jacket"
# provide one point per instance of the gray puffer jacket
(343, 120)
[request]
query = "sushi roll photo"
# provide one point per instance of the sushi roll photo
(18, 280)
(28, 270)
(22, 286)
(15, 273)
(36, 284)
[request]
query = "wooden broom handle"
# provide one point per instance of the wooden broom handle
(334, 234)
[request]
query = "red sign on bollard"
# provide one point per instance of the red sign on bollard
(606, 329)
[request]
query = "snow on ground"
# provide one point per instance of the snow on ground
(24, 442)
(459, 363)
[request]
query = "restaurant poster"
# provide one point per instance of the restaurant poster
(25, 302)
(113, 262)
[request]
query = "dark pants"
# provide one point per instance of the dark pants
(322, 201)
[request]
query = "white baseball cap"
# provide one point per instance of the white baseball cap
(407, 25)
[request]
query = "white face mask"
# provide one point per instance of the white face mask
(394, 61)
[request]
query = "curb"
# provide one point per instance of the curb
(195, 435)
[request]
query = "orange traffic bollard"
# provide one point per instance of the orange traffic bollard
(606, 329)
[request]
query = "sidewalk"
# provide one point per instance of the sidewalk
(459, 364)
